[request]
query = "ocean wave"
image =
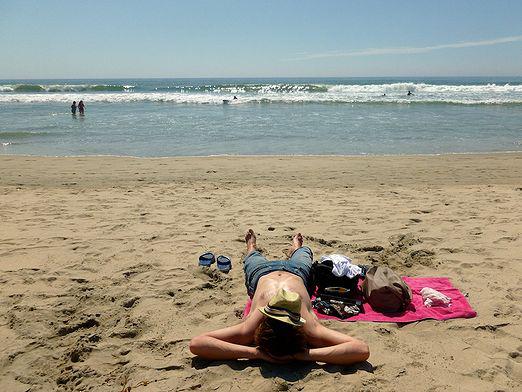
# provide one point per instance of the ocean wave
(56, 88)
(246, 88)
(423, 88)
(487, 94)
(22, 88)
(10, 135)
(208, 99)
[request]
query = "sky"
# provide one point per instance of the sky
(263, 38)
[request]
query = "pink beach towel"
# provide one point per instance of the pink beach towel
(459, 308)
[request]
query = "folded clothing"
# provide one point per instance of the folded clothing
(342, 265)
(433, 297)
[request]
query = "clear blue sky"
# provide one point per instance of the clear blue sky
(227, 38)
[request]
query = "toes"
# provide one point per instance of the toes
(250, 235)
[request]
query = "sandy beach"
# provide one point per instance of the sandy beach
(100, 285)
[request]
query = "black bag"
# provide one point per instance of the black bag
(385, 291)
(324, 277)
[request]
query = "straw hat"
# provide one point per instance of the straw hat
(285, 306)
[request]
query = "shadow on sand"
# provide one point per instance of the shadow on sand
(290, 372)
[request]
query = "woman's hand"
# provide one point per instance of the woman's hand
(299, 356)
(302, 355)
(260, 354)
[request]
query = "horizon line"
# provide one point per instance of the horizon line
(261, 77)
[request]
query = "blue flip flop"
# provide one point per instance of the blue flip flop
(224, 264)
(207, 259)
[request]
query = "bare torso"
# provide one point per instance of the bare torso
(270, 284)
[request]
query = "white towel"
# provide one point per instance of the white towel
(342, 265)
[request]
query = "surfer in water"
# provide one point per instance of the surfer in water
(409, 93)
(73, 108)
(81, 108)
(227, 101)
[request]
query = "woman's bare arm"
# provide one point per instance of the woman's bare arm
(327, 345)
(230, 342)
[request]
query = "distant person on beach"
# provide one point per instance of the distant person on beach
(81, 108)
(73, 108)
(281, 326)
(409, 93)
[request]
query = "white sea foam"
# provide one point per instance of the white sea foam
(276, 93)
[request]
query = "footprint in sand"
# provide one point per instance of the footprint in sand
(506, 239)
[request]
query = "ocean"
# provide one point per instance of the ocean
(305, 116)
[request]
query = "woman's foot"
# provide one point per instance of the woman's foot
(250, 239)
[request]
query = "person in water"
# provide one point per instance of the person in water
(81, 108)
(73, 108)
(409, 93)
(281, 326)
(235, 97)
